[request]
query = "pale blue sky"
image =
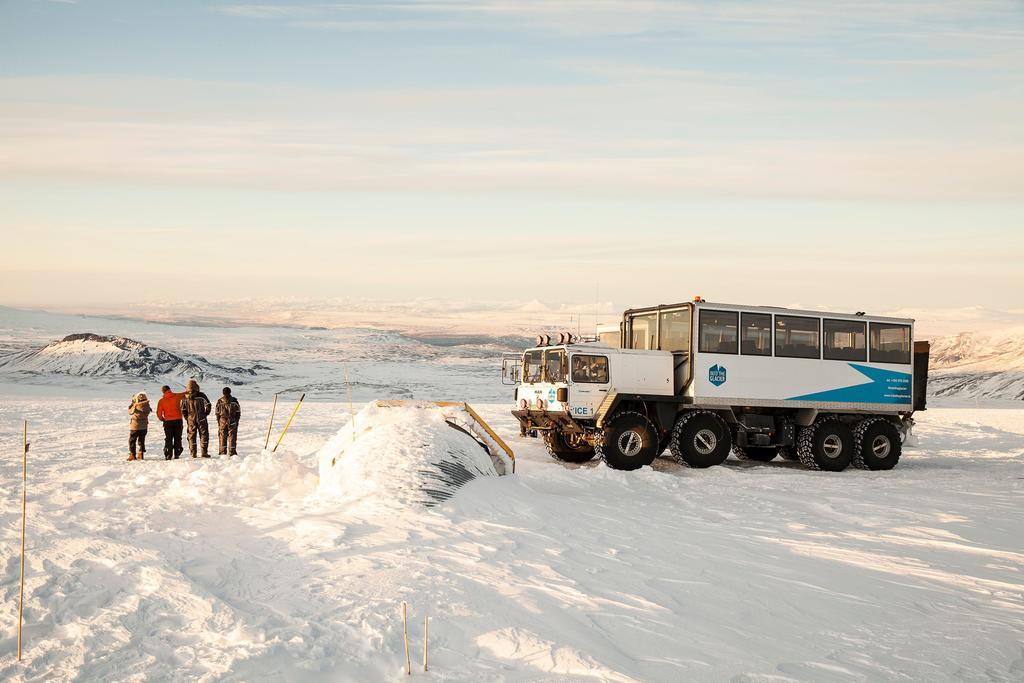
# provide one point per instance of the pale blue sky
(863, 155)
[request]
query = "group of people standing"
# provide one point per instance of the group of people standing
(190, 408)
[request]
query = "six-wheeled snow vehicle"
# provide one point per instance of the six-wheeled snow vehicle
(702, 379)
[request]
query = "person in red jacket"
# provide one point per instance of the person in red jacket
(168, 410)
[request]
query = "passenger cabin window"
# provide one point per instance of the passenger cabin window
(531, 367)
(890, 343)
(845, 340)
(675, 330)
(797, 336)
(589, 369)
(756, 335)
(718, 331)
(554, 366)
(643, 331)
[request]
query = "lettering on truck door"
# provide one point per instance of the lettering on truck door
(590, 381)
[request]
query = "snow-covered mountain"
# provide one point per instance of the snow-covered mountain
(93, 355)
(978, 365)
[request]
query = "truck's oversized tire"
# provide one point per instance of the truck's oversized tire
(560, 449)
(826, 445)
(629, 441)
(756, 453)
(700, 439)
(876, 444)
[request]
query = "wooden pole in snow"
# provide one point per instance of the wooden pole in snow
(24, 497)
(426, 631)
(288, 424)
(351, 412)
(270, 426)
(405, 635)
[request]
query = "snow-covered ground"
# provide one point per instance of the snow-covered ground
(243, 569)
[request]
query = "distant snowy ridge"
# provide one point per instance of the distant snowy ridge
(93, 355)
(977, 365)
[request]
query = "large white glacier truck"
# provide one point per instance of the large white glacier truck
(703, 379)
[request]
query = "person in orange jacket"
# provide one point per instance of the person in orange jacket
(168, 410)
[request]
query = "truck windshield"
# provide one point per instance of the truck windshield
(555, 366)
(531, 367)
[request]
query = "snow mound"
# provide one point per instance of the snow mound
(93, 355)
(255, 478)
(398, 456)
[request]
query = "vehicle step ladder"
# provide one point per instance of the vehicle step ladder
(602, 410)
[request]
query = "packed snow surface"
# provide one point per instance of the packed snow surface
(245, 568)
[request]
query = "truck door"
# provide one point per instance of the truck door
(590, 380)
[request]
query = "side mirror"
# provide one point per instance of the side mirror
(562, 395)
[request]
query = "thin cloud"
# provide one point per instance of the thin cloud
(739, 20)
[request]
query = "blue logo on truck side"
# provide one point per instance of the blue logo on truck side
(716, 375)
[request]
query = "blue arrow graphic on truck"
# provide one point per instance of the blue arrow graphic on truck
(886, 386)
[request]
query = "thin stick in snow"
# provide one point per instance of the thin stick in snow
(270, 426)
(24, 497)
(405, 634)
(426, 632)
(350, 411)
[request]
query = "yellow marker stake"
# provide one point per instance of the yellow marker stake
(426, 631)
(24, 494)
(288, 424)
(351, 412)
(273, 409)
(405, 635)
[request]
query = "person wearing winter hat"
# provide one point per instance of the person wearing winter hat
(195, 408)
(138, 411)
(228, 415)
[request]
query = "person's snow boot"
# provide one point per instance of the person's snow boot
(131, 457)
(142, 456)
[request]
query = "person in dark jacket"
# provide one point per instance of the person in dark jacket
(139, 411)
(168, 410)
(228, 415)
(195, 408)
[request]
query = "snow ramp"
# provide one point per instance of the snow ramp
(410, 453)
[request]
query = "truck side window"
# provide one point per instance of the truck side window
(675, 330)
(890, 343)
(643, 334)
(797, 336)
(718, 331)
(554, 366)
(845, 340)
(589, 369)
(531, 367)
(756, 335)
